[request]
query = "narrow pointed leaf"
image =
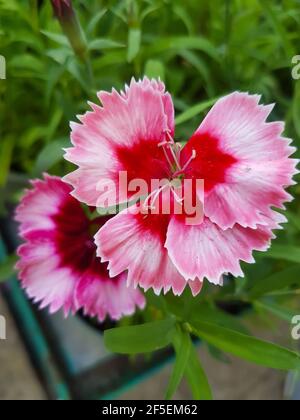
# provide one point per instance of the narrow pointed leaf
(134, 43)
(195, 110)
(246, 347)
(102, 43)
(277, 281)
(140, 338)
(182, 349)
(284, 252)
(278, 310)
(196, 377)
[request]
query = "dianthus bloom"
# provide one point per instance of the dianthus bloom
(243, 160)
(58, 265)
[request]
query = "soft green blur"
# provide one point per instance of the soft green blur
(201, 49)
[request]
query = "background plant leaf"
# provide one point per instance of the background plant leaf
(196, 377)
(247, 347)
(182, 353)
(141, 338)
(7, 268)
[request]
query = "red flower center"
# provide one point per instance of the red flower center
(200, 159)
(210, 163)
(143, 160)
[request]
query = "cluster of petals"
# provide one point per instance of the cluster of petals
(73, 261)
(244, 161)
(58, 266)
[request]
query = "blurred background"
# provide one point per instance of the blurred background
(54, 63)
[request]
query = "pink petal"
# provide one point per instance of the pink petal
(206, 250)
(195, 286)
(104, 296)
(43, 278)
(135, 242)
(261, 168)
(123, 135)
(39, 204)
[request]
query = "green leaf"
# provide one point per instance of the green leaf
(134, 43)
(218, 354)
(6, 151)
(203, 68)
(247, 347)
(140, 338)
(54, 75)
(50, 155)
(113, 58)
(296, 109)
(284, 252)
(183, 14)
(59, 55)
(196, 377)
(78, 73)
(274, 18)
(182, 349)
(27, 62)
(104, 43)
(58, 38)
(183, 42)
(209, 313)
(194, 110)
(277, 281)
(148, 10)
(95, 20)
(53, 123)
(294, 218)
(7, 268)
(155, 69)
(275, 309)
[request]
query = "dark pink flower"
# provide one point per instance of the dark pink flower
(58, 266)
(245, 164)
(62, 8)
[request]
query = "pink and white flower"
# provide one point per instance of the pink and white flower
(245, 164)
(58, 266)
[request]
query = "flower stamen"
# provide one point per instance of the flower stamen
(154, 194)
(176, 196)
(174, 148)
(163, 144)
(194, 154)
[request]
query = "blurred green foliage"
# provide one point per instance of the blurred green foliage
(202, 50)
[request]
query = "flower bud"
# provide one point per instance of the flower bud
(65, 13)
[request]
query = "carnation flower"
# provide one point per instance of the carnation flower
(58, 266)
(243, 160)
